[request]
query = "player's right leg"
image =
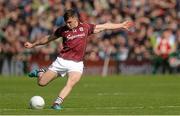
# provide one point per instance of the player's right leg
(74, 70)
(73, 79)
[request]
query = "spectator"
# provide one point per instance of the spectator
(165, 46)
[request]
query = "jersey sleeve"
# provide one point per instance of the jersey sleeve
(58, 32)
(90, 28)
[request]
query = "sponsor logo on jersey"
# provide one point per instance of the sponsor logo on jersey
(81, 35)
(81, 29)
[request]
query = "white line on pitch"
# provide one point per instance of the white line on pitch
(106, 108)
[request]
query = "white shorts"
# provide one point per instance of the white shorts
(62, 66)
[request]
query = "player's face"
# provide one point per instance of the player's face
(72, 22)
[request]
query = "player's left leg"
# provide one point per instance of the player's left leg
(36, 73)
(73, 79)
(46, 77)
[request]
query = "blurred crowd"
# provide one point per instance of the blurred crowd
(28, 20)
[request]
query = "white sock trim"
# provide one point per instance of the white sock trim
(58, 100)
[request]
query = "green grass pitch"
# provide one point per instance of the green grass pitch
(112, 95)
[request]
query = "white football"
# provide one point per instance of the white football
(37, 102)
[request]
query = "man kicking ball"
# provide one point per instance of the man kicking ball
(70, 59)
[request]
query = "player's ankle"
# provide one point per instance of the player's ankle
(40, 74)
(58, 101)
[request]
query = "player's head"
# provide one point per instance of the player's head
(71, 18)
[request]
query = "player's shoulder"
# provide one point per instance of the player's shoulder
(62, 28)
(84, 24)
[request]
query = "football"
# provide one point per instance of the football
(37, 102)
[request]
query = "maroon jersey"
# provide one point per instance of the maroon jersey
(74, 40)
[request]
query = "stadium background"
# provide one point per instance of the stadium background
(28, 20)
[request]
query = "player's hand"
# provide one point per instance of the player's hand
(128, 25)
(28, 45)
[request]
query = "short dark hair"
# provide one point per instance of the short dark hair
(70, 13)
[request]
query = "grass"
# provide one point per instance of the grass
(113, 95)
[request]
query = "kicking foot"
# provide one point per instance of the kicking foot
(56, 107)
(33, 73)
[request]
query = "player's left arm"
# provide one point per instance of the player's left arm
(110, 26)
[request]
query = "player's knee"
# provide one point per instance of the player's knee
(71, 84)
(42, 84)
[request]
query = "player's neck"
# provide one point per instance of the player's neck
(76, 24)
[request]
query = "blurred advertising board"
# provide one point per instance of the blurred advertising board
(96, 67)
(135, 67)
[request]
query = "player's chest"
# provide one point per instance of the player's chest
(77, 33)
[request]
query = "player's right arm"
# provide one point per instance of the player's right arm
(41, 41)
